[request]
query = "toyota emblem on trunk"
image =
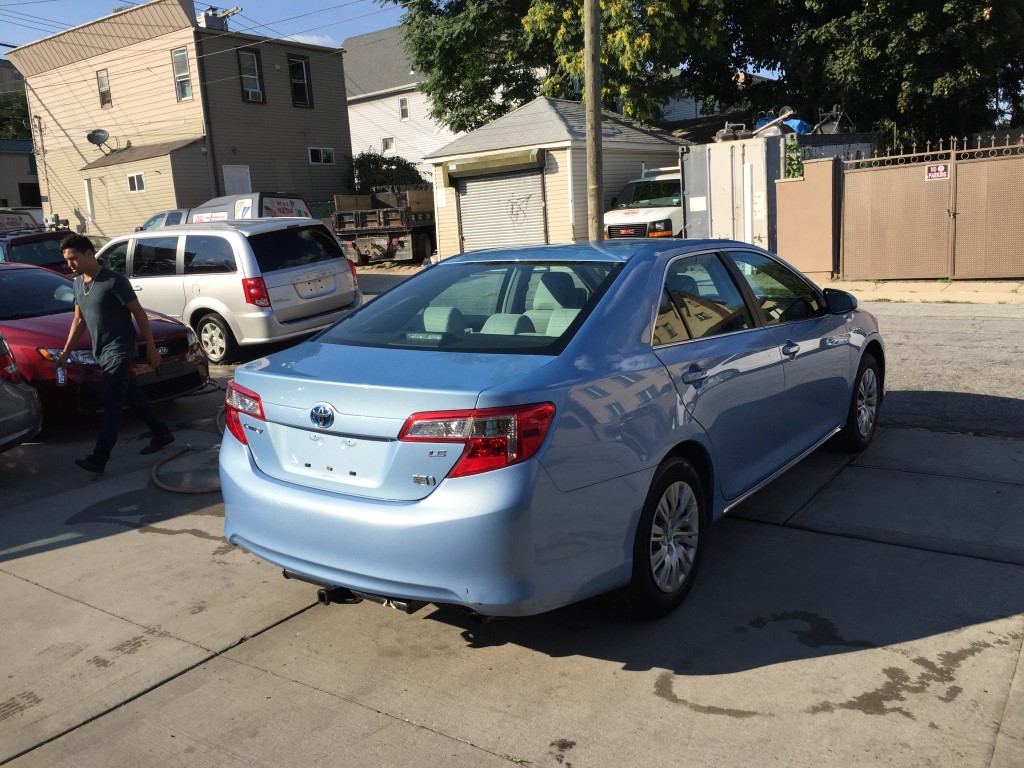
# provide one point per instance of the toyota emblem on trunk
(322, 415)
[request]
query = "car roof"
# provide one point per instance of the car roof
(244, 226)
(617, 250)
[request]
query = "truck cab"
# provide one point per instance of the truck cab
(650, 206)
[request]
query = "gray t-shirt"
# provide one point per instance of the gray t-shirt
(102, 303)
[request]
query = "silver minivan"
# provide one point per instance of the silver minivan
(239, 282)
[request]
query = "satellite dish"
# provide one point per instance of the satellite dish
(97, 137)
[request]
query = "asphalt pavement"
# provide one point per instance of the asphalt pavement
(862, 610)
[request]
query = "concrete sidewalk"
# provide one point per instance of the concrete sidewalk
(934, 291)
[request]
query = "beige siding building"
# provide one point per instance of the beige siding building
(522, 179)
(146, 110)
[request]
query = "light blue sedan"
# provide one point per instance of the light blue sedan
(514, 430)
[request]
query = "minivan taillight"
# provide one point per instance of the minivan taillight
(8, 368)
(241, 401)
(493, 437)
(256, 291)
(352, 269)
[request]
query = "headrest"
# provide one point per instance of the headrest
(556, 291)
(443, 320)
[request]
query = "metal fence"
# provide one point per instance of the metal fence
(948, 210)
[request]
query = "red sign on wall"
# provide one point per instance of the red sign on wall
(936, 171)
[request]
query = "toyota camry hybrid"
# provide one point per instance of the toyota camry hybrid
(515, 430)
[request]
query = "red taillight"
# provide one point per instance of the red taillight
(239, 401)
(352, 269)
(256, 291)
(8, 368)
(493, 437)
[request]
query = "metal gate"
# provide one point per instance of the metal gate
(954, 213)
(502, 209)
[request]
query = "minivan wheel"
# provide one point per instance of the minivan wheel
(862, 417)
(215, 338)
(669, 541)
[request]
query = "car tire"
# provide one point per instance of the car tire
(216, 338)
(669, 541)
(862, 417)
(422, 249)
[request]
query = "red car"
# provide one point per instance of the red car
(36, 309)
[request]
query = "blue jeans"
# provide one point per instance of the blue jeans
(119, 388)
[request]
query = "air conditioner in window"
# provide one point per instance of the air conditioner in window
(253, 95)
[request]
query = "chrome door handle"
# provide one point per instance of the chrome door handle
(694, 375)
(790, 349)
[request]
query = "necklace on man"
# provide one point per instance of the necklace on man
(86, 287)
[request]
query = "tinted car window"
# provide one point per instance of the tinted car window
(294, 247)
(208, 254)
(154, 256)
(41, 252)
(116, 258)
(784, 296)
(481, 308)
(699, 299)
(174, 217)
(33, 292)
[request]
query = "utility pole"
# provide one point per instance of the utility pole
(592, 95)
(41, 154)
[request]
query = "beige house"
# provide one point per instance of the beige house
(149, 108)
(522, 179)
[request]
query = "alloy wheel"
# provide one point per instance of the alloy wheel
(674, 533)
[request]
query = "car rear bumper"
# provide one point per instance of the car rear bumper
(494, 543)
(263, 327)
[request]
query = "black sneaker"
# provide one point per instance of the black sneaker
(158, 442)
(92, 464)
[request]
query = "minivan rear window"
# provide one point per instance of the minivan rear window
(294, 247)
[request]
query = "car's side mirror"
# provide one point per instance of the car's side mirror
(839, 302)
(138, 229)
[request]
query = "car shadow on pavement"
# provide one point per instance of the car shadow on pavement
(954, 412)
(770, 595)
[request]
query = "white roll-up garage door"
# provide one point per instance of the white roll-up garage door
(501, 209)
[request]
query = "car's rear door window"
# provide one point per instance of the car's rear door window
(155, 256)
(521, 307)
(208, 254)
(294, 247)
(699, 299)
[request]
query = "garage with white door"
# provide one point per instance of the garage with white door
(492, 190)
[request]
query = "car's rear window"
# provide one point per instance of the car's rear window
(39, 253)
(32, 293)
(502, 308)
(294, 247)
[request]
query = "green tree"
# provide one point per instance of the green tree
(376, 170)
(933, 69)
(483, 58)
(14, 122)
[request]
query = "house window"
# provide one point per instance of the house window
(321, 156)
(136, 182)
(250, 72)
(103, 83)
(403, 108)
(302, 90)
(387, 144)
(182, 78)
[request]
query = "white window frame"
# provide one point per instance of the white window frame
(249, 79)
(321, 154)
(182, 80)
(300, 63)
(103, 85)
(403, 108)
(138, 181)
(387, 144)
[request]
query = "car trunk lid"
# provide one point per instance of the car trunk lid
(341, 434)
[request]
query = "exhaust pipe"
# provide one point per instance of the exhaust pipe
(332, 593)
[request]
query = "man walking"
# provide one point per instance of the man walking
(105, 304)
